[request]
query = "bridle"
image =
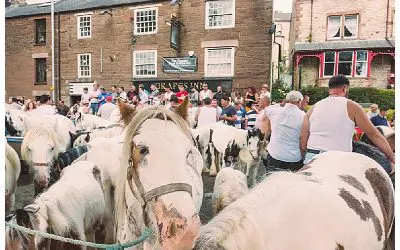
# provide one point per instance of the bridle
(146, 197)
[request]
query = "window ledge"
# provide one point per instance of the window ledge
(39, 44)
(349, 77)
(40, 83)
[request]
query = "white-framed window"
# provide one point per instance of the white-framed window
(342, 27)
(84, 26)
(84, 66)
(329, 64)
(219, 62)
(145, 63)
(345, 64)
(145, 21)
(361, 63)
(220, 14)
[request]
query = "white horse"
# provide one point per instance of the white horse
(89, 122)
(160, 184)
(229, 186)
(341, 200)
(40, 148)
(73, 207)
(108, 132)
(13, 169)
(14, 120)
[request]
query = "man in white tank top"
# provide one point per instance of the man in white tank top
(206, 114)
(329, 125)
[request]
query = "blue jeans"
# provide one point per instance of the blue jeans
(94, 107)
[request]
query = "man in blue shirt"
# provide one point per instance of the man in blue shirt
(380, 119)
(102, 97)
(241, 113)
(228, 113)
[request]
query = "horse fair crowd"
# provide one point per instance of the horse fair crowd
(316, 146)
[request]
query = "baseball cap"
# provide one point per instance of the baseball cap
(109, 98)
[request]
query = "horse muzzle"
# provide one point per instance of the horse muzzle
(176, 231)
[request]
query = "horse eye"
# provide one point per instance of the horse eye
(52, 148)
(144, 151)
(29, 149)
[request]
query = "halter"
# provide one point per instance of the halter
(43, 164)
(145, 197)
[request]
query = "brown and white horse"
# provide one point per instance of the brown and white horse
(160, 184)
(341, 200)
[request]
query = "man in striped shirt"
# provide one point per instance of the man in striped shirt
(241, 114)
(251, 117)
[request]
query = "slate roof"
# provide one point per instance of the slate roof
(365, 44)
(66, 6)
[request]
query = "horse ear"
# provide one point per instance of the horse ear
(22, 218)
(87, 138)
(260, 134)
(182, 109)
(127, 111)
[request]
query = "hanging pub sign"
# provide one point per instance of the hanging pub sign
(179, 64)
(225, 83)
(175, 37)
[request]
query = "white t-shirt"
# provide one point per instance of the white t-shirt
(105, 110)
(168, 95)
(94, 93)
(85, 96)
(207, 116)
(286, 127)
(46, 109)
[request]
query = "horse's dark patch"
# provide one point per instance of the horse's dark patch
(339, 247)
(315, 180)
(87, 138)
(384, 194)
(353, 203)
(306, 173)
(371, 214)
(205, 243)
(352, 181)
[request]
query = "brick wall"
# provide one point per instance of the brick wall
(19, 49)
(372, 18)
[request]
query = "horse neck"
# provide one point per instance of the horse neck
(240, 137)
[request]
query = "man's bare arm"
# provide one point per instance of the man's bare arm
(305, 132)
(362, 121)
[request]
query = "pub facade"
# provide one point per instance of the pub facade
(219, 42)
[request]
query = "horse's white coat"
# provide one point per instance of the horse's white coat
(17, 117)
(98, 133)
(229, 186)
(89, 122)
(13, 169)
(288, 211)
(171, 158)
(74, 203)
(42, 144)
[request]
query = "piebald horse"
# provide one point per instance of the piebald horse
(87, 121)
(341, 200)
(160, 184)
(387, 132)
(13, 169)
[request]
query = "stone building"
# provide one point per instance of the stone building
(280, 63)
(353, 38)
(222, 42)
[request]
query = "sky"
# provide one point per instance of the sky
(283, 5)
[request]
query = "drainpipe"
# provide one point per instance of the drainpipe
(387, 22)
(312, 3)
(279, 54)
(59, 56)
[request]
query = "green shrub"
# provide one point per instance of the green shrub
(279, 91)
(382, 97)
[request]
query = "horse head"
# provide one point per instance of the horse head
(253, 139)
(40, 149)
(162, 170)
(231, 154)
(28, 217)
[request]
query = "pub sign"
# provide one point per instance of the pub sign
(179, 64)
(225, 83)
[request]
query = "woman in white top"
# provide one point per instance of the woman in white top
(330, 124)
(283, 148)
(207, 114)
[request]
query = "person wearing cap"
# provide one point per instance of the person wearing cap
(228, 114)
(373, 111)
(283, 148)
(329, 125)
(380, 119)
(182, 93)
(106, 109)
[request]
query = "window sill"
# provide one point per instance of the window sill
(40, 83)
(39, 44)
(219, 27)
(349, 77)
(85, 37)
(341, 39)
(145, 34)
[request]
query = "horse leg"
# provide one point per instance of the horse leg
(214, 162)
(206, 165)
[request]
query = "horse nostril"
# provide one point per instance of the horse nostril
(172, 229)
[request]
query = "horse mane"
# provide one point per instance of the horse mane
(132, 129)
(13, 165)
(36, 132)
